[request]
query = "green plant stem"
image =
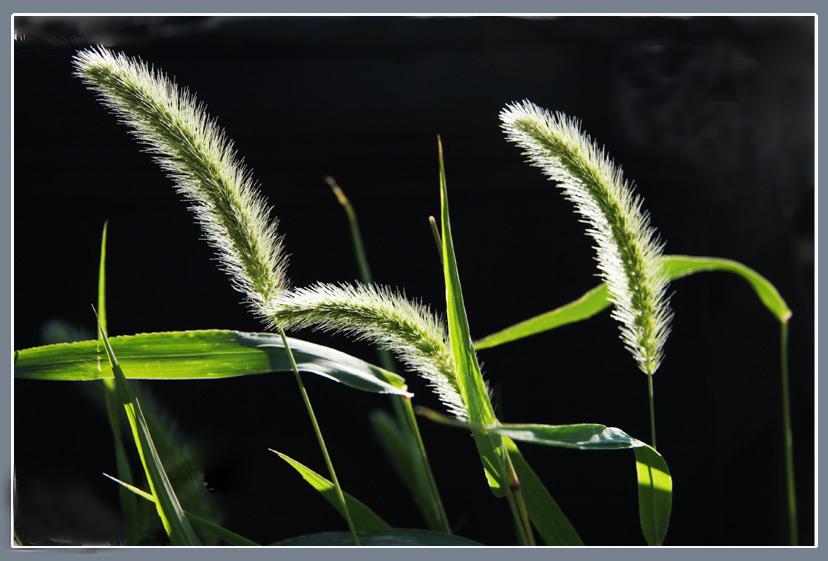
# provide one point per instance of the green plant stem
(786, 412)
(353, 223)
(402, 406)
(129, 506)
(515, 497)
(321, 440)
(437, 503)
(652, 410)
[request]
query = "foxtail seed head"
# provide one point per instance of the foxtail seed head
(190, 146)
(628, 252)
(196, 154)
(384, 317)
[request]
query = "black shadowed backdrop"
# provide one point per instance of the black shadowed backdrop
(712, 118)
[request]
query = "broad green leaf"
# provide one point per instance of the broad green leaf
(198, 355)
(655, 486)
(595, 301)
(467, 370)
(364, 519)
(655, 493)
(395, 537)
(218, 531)
(172, 516)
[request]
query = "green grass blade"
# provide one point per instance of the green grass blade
(414, 468)
(198, 355)
(595, 301)
(588, 305)
(655, 485)
(679, 266)
(655, 493)
(394, 537)
(467, 369)
(169, 509)
(218, 531)
(364, 519)
(129, 506)
(547, 517)
(500, 474)
(407, 458)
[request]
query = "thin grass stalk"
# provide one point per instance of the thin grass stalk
(786, 413)
(521, 515)
(129, 505)
(319, 438)
(629, 253)
(402, 406)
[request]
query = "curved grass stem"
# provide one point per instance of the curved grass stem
(319, 437)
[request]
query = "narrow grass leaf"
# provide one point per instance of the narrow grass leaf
(199, 355)
(679, 266)
(588, 305)
(172, 516)
(364, 519)
(595, 300)
(394, 537)
(129, 506)
(218, 531)
(469, 378)
(404, 455)
(655, 485)
(547, 517)
(400, 439)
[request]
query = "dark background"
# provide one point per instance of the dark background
(713, 118)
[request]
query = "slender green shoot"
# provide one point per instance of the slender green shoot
(364, 519)
(169, 509)
(473, 388)
(786, 413)
(319, 438)
(129, 506)
(422, 484)
(218, 531)
(435, 230)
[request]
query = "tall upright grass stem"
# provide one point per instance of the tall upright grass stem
(652, 410)
(129, 504)
(629, 253)
(402, 406)
(521, 515)
(786, 413)
(319, 438)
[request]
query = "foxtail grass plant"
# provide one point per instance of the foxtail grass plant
(628, 251)
(199, 158)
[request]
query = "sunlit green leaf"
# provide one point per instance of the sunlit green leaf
(595, 300)
(364, 519)
(198, 355)
(172, 516)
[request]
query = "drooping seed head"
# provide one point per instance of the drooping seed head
(195, 152)
(628, 252)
